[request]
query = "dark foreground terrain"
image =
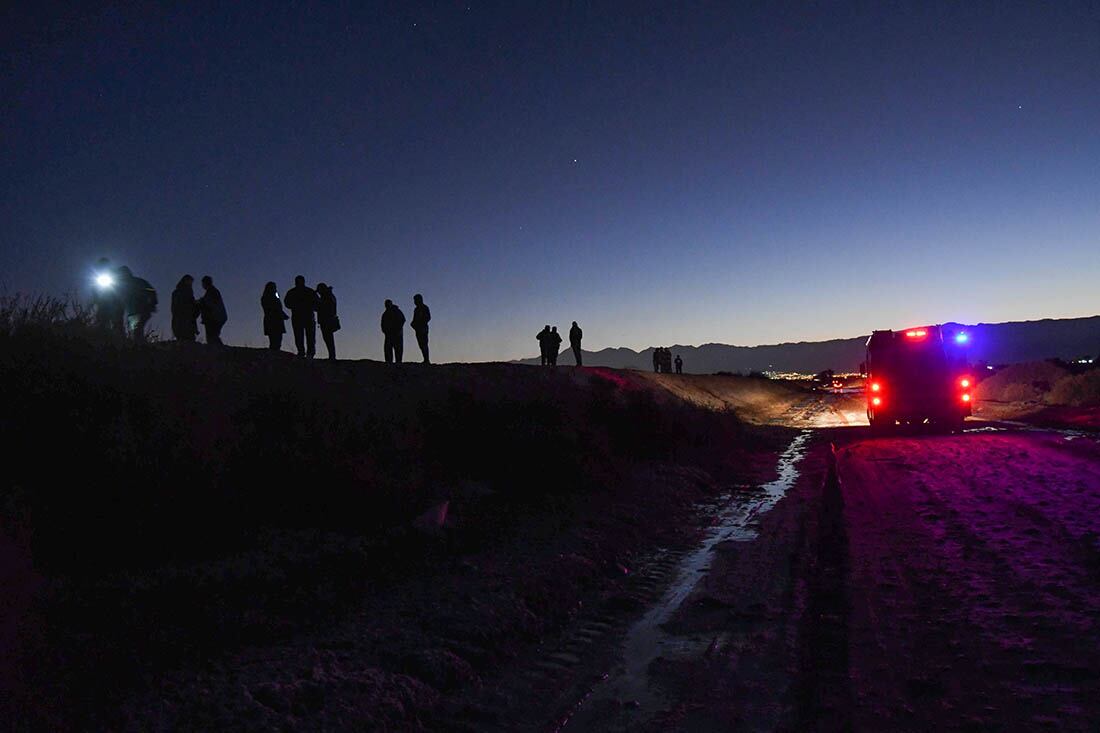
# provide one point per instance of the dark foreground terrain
(197, 539)
(200, 539)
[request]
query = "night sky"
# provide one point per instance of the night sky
(663, 173)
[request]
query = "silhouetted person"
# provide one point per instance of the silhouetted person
(553, 342)
(140, 300)
(212, 309)
(421, 316)
(393, 327)
(185, 310)
(302, 302)
(679, 365)
(543, 337)
(274, 317)
(110, 311)
(657, 360)
(327, 318)
(575, 335)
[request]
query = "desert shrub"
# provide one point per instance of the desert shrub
(21, 313)
(1020, 382)
(1079, 390)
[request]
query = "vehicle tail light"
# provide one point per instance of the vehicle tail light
(876, 387)
(964, 382)
(966, 397)
(876, 401)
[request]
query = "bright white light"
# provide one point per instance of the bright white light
(104, 280)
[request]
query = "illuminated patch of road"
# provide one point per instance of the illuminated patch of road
(824, 410)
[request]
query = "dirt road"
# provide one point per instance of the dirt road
(913, 582)
(973, 579)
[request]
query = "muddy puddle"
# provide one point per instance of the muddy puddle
(625, 697)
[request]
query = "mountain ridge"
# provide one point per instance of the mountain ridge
(1005, 342)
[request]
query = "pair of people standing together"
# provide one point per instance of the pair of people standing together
(309, 309)
(186, 310)
(393, 329)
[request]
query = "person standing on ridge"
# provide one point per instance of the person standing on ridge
(657, 360)
(393, 325)
(327, 318)
(140, 300)
(302, 302)
(575, 335)
(543, 337)
(421, 316)
(184, 310)
(553, 341)
(274, 317)
(679, 365)
(212, 309)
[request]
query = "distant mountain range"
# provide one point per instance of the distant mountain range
(994, 343)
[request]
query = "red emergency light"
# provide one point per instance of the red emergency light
(916, 333)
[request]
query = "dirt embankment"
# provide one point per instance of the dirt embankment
(227, 537)
(759, 401)
(1044, 393)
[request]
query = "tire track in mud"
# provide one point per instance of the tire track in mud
(823, 693)
(541, 695)
(619, 638)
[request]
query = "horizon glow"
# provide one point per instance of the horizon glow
(688, 175)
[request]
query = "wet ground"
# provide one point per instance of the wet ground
(908, 582)
(625, 697)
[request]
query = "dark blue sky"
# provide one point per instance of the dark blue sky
(663, 173)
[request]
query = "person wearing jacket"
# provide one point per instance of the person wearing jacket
(393, 328)
(140, 299)
(575, 335)
(421, 316)
(327, 318)
(302, 302)
(553, 345)
(212, 309)
(185, 310)
(274, 317)
(543, 337)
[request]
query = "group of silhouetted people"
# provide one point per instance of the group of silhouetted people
(662, 361)
(550, 344)
(125, 303)
(310, 309)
